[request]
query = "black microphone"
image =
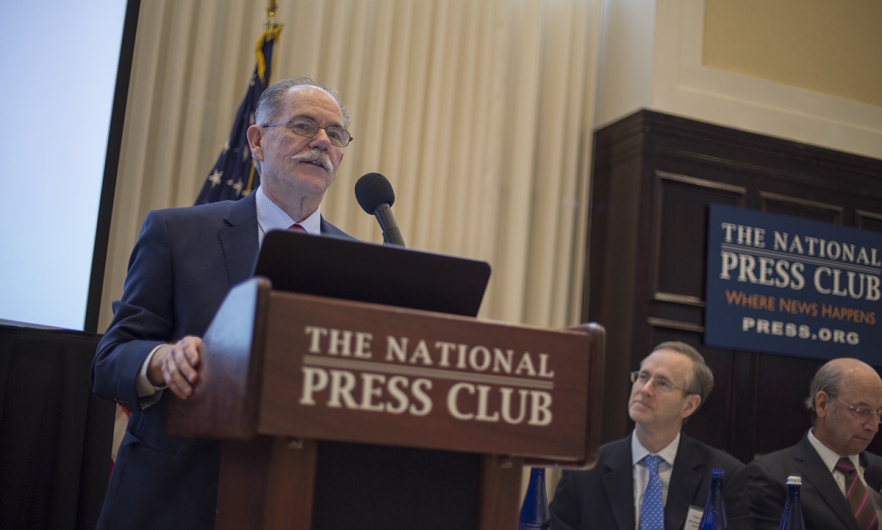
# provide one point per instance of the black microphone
(375, 196)
(873, 476)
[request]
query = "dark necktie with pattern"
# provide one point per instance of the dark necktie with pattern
(861, 506)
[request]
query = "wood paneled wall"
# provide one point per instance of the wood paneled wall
(653, 179)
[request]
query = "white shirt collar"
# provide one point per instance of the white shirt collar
(829, 456)
(271, 217)
(668, 453)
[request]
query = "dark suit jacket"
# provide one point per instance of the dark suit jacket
(603, 497)
(183, 265)
(823, 504)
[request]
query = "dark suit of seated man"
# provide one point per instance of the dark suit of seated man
(652, 479)
(183, 265)
(846, 402)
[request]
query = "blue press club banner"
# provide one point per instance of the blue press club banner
(781, 284)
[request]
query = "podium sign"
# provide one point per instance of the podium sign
(359, 372)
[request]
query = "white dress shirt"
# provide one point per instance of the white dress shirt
(641, 472)
(271, 217)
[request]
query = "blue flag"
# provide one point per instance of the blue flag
(234, 175)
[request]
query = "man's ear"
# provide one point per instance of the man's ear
(822, 403)
(692, 401)
(255, 140)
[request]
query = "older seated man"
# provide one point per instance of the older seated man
(846, 404)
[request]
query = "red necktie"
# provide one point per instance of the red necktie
(297, 227)
(861, 506)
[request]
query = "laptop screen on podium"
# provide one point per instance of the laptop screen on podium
(366, 272)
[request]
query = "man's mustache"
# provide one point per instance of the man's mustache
(316, 155)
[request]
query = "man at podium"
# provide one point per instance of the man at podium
(183, 265)
(658, 477)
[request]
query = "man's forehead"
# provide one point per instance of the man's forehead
(667, 360)
(312, 96)
(862, 395)
(861, 385)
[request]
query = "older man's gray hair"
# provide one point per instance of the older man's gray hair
(826, 380)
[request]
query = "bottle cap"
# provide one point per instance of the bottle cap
(794, 479)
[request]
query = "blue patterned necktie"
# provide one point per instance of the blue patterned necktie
(652, 513)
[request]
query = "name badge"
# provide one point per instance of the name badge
(693, 518)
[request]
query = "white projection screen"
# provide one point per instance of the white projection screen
(59, 127)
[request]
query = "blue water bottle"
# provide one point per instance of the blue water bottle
(714, 517)
(534, 511)
(792, 518)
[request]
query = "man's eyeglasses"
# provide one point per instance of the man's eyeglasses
(862, 413)
(661, 384)
(305, 127)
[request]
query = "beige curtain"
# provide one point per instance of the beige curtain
(478, 111)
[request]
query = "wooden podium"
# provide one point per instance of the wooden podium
(346, 414)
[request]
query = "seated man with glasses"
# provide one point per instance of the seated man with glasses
(846, 404)
(183, 265)
(656, 478)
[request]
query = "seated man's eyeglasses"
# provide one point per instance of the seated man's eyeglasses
(661, 384)
(305, 127)
(862, 413)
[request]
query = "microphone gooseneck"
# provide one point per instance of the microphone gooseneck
(375, 196)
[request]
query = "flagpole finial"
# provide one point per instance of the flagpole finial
(271, 6)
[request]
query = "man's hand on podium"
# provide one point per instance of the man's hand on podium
(176, 365)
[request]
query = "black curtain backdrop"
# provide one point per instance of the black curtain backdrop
(55, 435)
